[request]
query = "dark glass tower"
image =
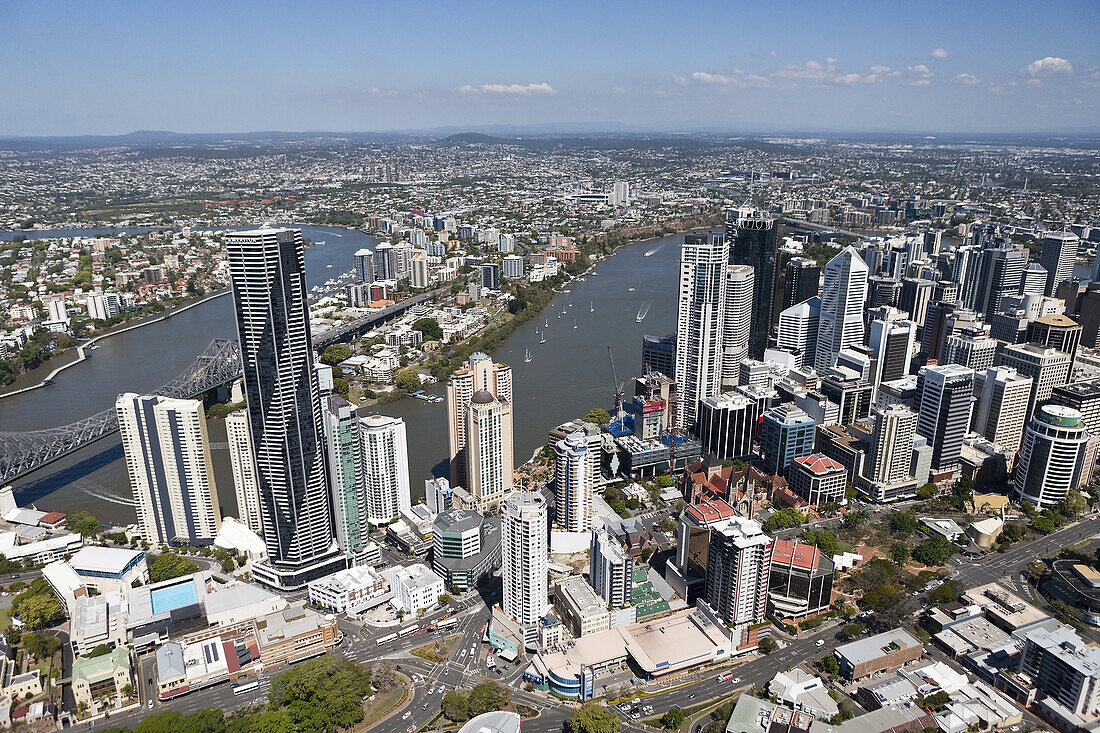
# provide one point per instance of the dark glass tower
(753, 238)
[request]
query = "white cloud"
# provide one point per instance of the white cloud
(964, 78)
(919, 75)
(832, 60)
(880, 69)
(1007, 88)
(773, 54)
(676, 78)
(1049, 66)
(521, 89)
(619, 90)
(938, 53)
(1034, 82)
(737, 78)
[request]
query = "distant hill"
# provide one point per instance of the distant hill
(470, 138)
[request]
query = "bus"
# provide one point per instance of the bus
(446, 623)
(241, 689)
(408, 631)
(386, 639)
(724, 677)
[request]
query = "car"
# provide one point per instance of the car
(410, 729)
(150, 704)
(691, 696)
(425, 706)
(431, 691)
(635, 716)
(407, 715)
(820, 642)
(735, 680)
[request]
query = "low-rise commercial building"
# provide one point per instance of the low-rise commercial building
(800, 580)
(580, 607)
(294, 634)
(415, 588)
(883, 652)
(110, 568)
(465, 547)
(350, 591)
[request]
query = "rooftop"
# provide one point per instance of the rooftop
(873, 647)
(819, 464)
(104, 559)
(710, 511)
(498, 721)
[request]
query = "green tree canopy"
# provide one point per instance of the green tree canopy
(407, 380)
(81, 522)
(824, 540)
(673, 718)
(784, 519)
(169, 565)
(599, 416)
(936, 550)
(903, 524)
(335, 354)
(593, 718)
(429, 327)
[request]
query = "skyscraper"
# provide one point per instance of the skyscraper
(609, 568)
(1051, 457)
(489, 449)
(168, 460)
(1057, 331)
(346, 480)
(891, 343)
(971, 347)
(753, 239)
(842, 301)
(738, 317)
(659, 354)
(1057, 257)
(524, 556)
(915, 297)
(803, 281)
(891, 445)
(1034, 279)
(385, 467)
(364, 266)
(738, 561)
(786, 433)
(797, 332)
(418, 270)
(1001, 411)
(480, 373)
(1048, 368)
(267, 272)
(243, 466)
(1002, 274)
(727, 423)
(573, 483)
(699, 323)
(944, 402)
(385, 262)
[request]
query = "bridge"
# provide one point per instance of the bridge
(20, 453)
(360, 326)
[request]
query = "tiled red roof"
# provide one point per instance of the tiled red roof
(52, 518)
(713, 510)
(819, 463)
(790, 552)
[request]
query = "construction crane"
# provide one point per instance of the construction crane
(618, 389)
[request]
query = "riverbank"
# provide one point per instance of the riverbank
(91, 343)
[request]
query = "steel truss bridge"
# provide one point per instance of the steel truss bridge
(21, 453)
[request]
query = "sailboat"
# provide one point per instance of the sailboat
(527, 355)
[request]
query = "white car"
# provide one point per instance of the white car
(820, 642)
(407, 715)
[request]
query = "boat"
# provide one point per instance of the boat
(547, 324)
(328, 266)
(631, 290)
(574, 324)
(543, 339)
(591, 307)
(527, 356)
(642, 313)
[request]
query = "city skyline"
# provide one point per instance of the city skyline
(858, 68)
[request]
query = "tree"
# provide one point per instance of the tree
(341, 386)
(903, 524)
(1042, 525)
(899, 552)
(784, 519)
(98, 651)
(81, 522)
(593, 718)
(823, 540)
(673, 718)
(1074, 505)
(936, 550)
(828, 665)
(455, 706)
(487, 696)
(665, 481)
(41, 611)
(168, 565)
(768, 645)
(335, 354)
(851, 631)
(599, 416)
(384, 677)
(429, 327)
(407, 380)
(951, 590)
(517, 304)
(928, 491)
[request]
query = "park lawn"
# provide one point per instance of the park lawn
(437, 651)
(382, 705)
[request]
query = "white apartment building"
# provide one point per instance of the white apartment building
(700, 323)
(524, 557)
(573, 483)
(244, 470)
(385, 467)
(416, 587)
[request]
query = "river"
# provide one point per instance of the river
(567, 376)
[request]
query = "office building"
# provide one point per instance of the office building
(1034, 279)
(244, 470)
(573, 483)
(1052, 456)
(465, 548)
(700, 323)
(364, 266)
(385, 262)
(727, 423)
(267, 271)
(346, 479)
(802, 282)
(915, 296)
(885, 652)
(418, 270)
(490, 275)
(1057, 257)
(891, 451)
(1085, 398)
(580, 608)
(489, 450)
(800, 581)
(891, 343)
(850, 392)
(843, 297)
(797, 332)
(1002, 406)
(786, 433)
(416, 588)
(168, 460)
(818, 479)
(753, 238)
(481, 373)
(524, 556)
(610, 568)
(1002, 274)
(883, 291)
(513, 267)
(659, 354)
(1064, 667)
(1057, 331)
(385, 467)
(350, 591)
(1047, 367)
(944, 403)
(737, 321)
(738, 564)
(972, 347)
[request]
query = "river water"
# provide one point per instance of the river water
(567, 376)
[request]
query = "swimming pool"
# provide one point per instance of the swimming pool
(173, 597)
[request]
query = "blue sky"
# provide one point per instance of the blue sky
(113, 67)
